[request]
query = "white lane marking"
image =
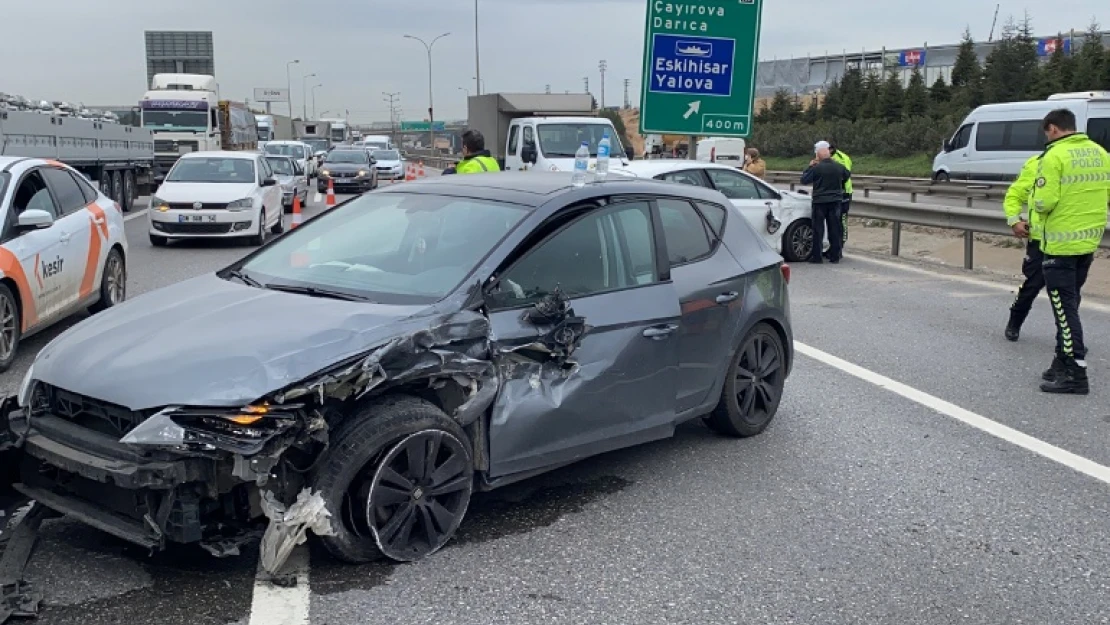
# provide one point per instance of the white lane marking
(274, 605)
(135, 215)
(998, 286)
(979, 422)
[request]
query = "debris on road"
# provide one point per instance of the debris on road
(289, 526)
(17, 597)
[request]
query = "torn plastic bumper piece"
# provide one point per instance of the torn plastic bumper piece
(17, 597)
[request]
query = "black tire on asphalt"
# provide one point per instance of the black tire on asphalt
(9, 301)
(128, 196)
(729, 417)
(106, 185)
(941, 176)
(107, 298)
(260, 237)
(117, 187)
(158, 241)
(359, 445)
(797, 228)
(279, 227)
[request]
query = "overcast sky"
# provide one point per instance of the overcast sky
(93, 52)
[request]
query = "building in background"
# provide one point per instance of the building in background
(179, 52)
(810, 75)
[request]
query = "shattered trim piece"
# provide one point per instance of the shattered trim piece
(17, 597)
(289, 526)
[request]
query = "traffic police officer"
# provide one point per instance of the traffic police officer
(476, 158)
(1016, 198)
(846, 161)
(1070, 195)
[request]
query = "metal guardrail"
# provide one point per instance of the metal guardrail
(971, 190)
(970, 220)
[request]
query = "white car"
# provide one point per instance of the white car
(64, 249)
(291, 179)
(783, 218)
(389, 164)
(217, 195)
(298, 150)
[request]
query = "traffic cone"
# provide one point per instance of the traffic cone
(410, 172)
(298, 218)
(331, 192)
(420, 170)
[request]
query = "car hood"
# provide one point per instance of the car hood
(390, 164)
(284, 180)
(211, 342)
(345, 166)
(215, 192)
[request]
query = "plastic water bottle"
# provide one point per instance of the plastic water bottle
(581, 165)
(603, 156)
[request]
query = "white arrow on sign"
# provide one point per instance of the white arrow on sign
(694, 108)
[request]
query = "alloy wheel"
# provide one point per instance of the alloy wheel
(418, 495)
(801, 241)
(115, 280)
(8, 320)
(759, 375)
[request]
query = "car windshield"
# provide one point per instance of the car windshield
(562, 140)
(176, 120)
(285, 149)
(347, 156)
(212, 169)
(387, 155)
(281, 166)
(318, 145)
(389, 248)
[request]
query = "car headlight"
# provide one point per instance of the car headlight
(244, 431)
(361, 173)
(324, 172)
(242, 204)
(158, 204)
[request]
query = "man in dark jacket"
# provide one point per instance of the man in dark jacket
(827, 178)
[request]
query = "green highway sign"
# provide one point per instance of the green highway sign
(425, 126)
(700, 58)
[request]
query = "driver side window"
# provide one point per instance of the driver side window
(605, 250)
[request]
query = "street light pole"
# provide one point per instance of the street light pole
(289, 92)
(304, 95)
(477, 57)
(314, 99)
(392, 117)
(431, 107)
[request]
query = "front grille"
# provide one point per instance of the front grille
(93, 413)
(181, 206)
(343, 174)
(171, 227)
(164, 145)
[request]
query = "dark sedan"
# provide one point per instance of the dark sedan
(377, 365)
(349, 169)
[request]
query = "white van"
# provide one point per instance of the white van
(996, 139)
(722, 150)
(377, 142)
(550, 143)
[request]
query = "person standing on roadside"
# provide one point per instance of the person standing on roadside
(1016, 198)
(827, 178)
(476, 158)
(846, 161)
(1070, 196)
(755, 165)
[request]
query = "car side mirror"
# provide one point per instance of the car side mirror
(528, 154)
(34, 219)
(630, 153)
(269, 182)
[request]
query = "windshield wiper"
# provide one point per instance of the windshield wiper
(312, 291)
(239, 275)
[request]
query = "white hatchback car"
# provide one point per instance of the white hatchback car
(783, 218)
(389, 164)
(217, 195)
(64, 249)
(298, 150)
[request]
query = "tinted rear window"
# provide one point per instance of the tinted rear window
(1098, 129)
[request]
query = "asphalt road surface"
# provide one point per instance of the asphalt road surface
(914, 474)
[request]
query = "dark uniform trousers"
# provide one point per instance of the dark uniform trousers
(1064, 277)
(826, 214)
(1031, 288)
(844, 206)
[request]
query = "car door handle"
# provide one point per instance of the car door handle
(660, 332)
(725, 298)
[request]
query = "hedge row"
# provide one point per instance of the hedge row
(913, 136)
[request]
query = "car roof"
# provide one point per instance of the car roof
(654, 167)
(283, 142)
(223, 154)
(534, 189)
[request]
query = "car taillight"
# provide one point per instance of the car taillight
(785, 272)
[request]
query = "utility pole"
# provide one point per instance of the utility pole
(602, 66)
(627, 102)
(547, 89)
(391, 97)
(477, 56)
(586, 80)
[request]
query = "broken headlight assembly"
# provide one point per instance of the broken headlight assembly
(244, 430)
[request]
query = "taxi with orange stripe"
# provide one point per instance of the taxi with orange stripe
(62, 249)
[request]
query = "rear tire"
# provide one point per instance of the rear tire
(11, 327)
(352, 480)
(113, 283)
(128, 195)
(279, 227)
(117, 187)
(753, 389)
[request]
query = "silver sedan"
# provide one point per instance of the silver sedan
(291, 177)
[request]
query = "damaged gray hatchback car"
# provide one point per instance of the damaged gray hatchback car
(395, 354)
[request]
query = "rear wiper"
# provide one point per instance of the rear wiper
(239, 275)
(316, 292)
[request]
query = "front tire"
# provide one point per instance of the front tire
(113, 283)
(279, 227)
(941, 176)
(260, 237)
(11, 327)
(753, 389)
(399, 475)
(797, 241)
